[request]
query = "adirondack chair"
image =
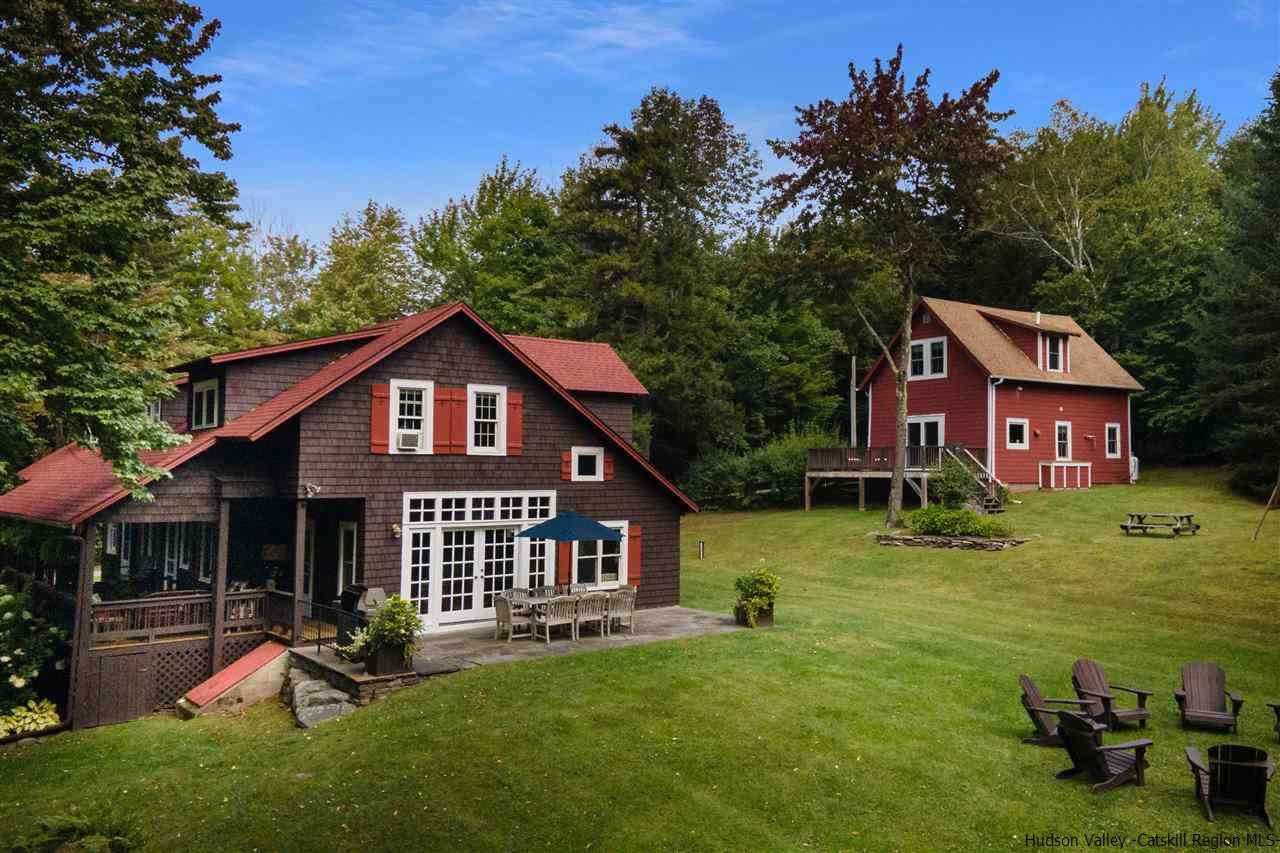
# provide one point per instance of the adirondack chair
(1235, 775)
(1202, 698)
(1090, 681)
(1276, 707)
(1111, 765)
(1042, 716)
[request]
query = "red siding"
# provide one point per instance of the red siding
(1023, 338)
(1088, 409)
(961, 396)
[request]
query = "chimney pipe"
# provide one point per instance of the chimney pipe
(1037, 318)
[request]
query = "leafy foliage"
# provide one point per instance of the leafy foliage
(103, 99)
(96, 830)
(757, 591)
(30, 718)
(954, 485)
(394, 625)
(1238, 340)
(938, 520)
(26, 641)
(768, 476)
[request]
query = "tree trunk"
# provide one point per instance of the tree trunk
(893, 518)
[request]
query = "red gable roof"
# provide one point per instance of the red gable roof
(581, 365)
(73, 484)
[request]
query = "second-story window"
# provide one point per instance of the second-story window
(156, 410)
(411, 409)
(204, 404)
(1053, 358)
(486, 419)
(928, 359)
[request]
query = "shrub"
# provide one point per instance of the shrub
(395, 625)
(937, 520)
(767, 476)
(26, 642)
(35, 716)
(756, 591)
(103, 830)
(954, 485)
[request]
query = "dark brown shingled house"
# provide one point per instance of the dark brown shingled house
(404, 456)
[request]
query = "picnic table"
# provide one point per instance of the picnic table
(1178, 522)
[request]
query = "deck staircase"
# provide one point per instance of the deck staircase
(991, 502)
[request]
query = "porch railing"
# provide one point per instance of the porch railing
(151, 619)
(245, 611)
(279, 609)
(872, 458)
(333, 626)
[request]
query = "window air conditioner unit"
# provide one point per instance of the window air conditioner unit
(408, 440)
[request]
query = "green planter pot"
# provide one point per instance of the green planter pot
(385, 662)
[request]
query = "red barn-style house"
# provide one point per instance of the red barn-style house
(1029, 398)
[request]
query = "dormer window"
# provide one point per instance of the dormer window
(928, 359)
(156, 410)
(204, 404)
(411, 410)
(1055, 344)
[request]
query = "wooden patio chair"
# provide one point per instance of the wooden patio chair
(561, 610)
(519, 600)
(1235, 775)
(507, 619)
(622, 608)
(1090, 681)
(593, 607)
(1042, 716)
(1275, 706)
(1111, 765)
(1202, 698)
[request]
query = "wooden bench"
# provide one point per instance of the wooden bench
(1178, 522)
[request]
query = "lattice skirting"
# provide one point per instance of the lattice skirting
(234, 648)
(176, 670)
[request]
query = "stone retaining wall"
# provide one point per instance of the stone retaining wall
(966, 543)
(362, 691)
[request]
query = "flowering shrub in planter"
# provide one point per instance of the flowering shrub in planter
(756, 594)
(388, 643)
(26, 642)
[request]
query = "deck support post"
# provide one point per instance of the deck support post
(924, 490)
(299, 557)
(84, 614)
(862, 494)
(220, 584)
(808, 493)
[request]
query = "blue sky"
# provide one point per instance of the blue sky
(409, 103)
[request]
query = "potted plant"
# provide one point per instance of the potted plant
(387, 644)
(756, 595)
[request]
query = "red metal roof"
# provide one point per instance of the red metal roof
(591, 366)
(290, 346)
(73, 484)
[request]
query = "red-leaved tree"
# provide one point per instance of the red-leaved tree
(910, 170)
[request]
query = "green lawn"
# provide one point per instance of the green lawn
(880, 713)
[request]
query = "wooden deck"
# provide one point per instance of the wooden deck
(871, 463)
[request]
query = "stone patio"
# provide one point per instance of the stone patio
(439, 654)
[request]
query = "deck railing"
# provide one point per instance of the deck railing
(872, 458)
(245, 611)
(333, 626)
(151, 619)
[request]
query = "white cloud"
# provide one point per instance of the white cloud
(486, 40)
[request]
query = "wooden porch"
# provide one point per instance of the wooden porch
(864, 463)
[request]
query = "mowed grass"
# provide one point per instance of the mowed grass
(880, 713)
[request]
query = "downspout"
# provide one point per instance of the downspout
(991, 426)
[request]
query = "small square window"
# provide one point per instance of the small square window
(588, 464)
(1017, 434)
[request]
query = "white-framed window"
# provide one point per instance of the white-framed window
(204, 404)
(156, 410)
(928, 359)
(599, 562)
(412, 407)
(1053, 356)
(459, 549)
(587, 464)
(1113, 441)
(1062, 440)
(487, 420)
(1017, 433)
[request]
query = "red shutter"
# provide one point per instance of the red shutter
(608, 466)
(564, 554)
(566, 465)
(450, 420)
(634, 554)
(515, 423)
(380, 418)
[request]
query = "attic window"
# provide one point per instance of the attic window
(928, 359)
(1053, 358)
(925, 318)
(204, 404)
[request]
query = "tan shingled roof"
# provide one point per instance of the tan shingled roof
(999, 356)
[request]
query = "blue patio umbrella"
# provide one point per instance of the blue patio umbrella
(571, 527)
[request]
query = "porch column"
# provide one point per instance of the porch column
(299, 556)
(220, 582)
(808, 499)
(862, 494)
(84, 614)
